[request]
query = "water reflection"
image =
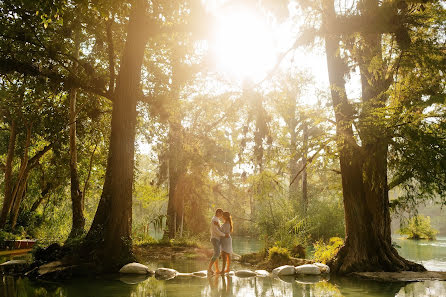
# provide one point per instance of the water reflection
(217, 286)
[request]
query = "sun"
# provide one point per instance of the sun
(243, 45)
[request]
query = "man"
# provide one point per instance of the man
(215, 240)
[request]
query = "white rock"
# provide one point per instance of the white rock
(262, 273)
(308, 269)
(185, 275)
(165, 273)
(323, 268)
(135, 268)
(284, 270)
(245, 273)
(202, 273)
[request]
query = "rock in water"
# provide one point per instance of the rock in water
(135, 268)
(202, 273)
(165, 273)
(284, 270)
(262, 273)
(323, 268)
(308, 269)
(245, 273)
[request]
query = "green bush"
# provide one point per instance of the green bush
(419, 227)
(278, 254)
(324, 252)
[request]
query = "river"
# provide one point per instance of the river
(430, 253)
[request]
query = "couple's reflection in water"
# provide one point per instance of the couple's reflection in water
(220, 285)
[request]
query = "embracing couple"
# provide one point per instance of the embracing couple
(221, 241)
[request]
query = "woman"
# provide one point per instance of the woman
(226, 242)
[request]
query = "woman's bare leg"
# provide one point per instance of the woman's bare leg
(229, 262)
(224, 262)
(217, 271)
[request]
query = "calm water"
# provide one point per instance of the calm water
(430, 253)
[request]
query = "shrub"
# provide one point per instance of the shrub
(324, 252)
(419, 227)
(278, 254)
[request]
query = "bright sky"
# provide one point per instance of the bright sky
(246, 45)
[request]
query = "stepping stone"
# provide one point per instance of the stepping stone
(322, 267)
(308, 269)
(284, 270)
(165, 273)
(202, 273)
(262, 273)
(135, 268)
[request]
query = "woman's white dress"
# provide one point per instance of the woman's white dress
(226, 242)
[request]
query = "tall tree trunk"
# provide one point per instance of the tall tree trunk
(175, 205)
(22, 177)
(77, 199)
(21, 186)
(7, 202)
(304, 172)
(363, 170)
(294, 160)
(109, 238)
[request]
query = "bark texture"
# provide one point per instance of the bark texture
(368, 245)
(109, 239)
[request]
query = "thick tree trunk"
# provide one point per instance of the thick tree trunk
(109, 239)
(77, 199)
(7, 202)
(364, 173)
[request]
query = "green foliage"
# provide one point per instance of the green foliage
(419, 227)
(278, 254)
(327, 218)
(324, 252)
(4, 235)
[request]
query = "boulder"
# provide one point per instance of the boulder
(323, 268)
(165, 273)
(245, 273)
(308, 269)
(284, 270)
(135, 268)
(262, 273)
